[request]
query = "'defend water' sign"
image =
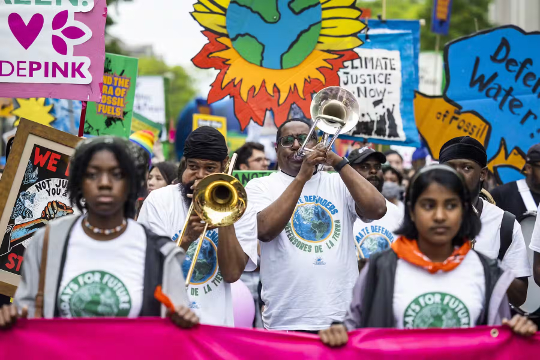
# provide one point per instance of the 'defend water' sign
(52, 48)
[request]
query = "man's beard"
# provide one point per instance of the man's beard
(377, 182)
(187, 190)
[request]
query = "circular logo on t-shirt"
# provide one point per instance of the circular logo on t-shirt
(94, 293)
(372, 243)
(312, 222)
(436, 310)
(206, 265)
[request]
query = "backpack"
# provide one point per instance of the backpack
(507, 230)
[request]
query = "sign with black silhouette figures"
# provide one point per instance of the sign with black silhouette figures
(33, 191)
(383, 78)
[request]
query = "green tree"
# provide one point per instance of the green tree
(112, 45)
(465, 15)
(181, 85)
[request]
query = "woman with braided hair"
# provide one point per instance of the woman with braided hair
(102, 263)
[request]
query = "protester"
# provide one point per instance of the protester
(100, 264)
(393, 193)
(251, 157)
(418, 159)
(145, 139)
(377, 235)
(501, 236)
(305, 220)
(395, 160)
(161, 175)
(535, 246)
(522, 196)
(430, 278)
(392, 175)
(164, 212)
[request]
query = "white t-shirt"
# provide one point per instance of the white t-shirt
(451, 299)
(309, 270)
(488, 242)
(377, 235)
(103, 278)
(535, 237)
(164, 212)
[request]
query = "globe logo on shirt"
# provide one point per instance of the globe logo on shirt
(372, 243)
(207, 264)
(312, 222)
(436, 310)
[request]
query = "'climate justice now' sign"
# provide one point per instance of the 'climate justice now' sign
(50, 43)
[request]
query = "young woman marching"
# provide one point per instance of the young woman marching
(430, 277)
(101, 263)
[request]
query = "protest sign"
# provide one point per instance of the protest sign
(112, 114)
(155, 338)
(383, 79)
(495, 74)
(244, 176)
(430, 73)
(271, 58)
(33, 191)
(52, 48)
(150, 98)
(217, 122)
(6, 106)
(440, 20)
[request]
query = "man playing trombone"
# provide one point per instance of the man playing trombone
(225, 252)
(305, 222)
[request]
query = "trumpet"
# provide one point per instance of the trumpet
(219, 200)
(335, 110)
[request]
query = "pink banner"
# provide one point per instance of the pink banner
(52, 49)
(153, 338)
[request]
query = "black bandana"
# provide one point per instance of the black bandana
(206, 143)
(463, 147)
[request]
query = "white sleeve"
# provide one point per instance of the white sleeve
(151, 217)
(258, 195)
(516, 258)
(535, 238)
(348, 199)
(246, 233)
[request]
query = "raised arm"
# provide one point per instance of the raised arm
(231, 257)
(272, 220)
(370, 203)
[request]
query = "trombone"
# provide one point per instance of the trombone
(335, 110)
(219, 200)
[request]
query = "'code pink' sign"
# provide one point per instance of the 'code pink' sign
(52, 48)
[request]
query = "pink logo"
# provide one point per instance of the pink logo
(70, 32)
(25, 34)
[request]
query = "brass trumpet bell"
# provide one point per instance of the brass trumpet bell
(336, 108)
(220, 200)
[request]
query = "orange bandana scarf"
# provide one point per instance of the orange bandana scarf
(408, 250)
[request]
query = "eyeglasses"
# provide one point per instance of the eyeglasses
(288, 141)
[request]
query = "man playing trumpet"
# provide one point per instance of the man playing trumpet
(305, 222)
(225, 252)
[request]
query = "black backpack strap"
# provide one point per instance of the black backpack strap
(507, 230)
(483, 319)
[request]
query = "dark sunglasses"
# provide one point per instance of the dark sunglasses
(288, 141)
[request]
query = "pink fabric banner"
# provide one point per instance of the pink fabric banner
(153, 338)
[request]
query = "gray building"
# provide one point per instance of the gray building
(522, 13)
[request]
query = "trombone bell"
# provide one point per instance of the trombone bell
(220, 200)
(335, 111)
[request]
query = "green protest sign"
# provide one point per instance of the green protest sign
(112, 115)
(245, 176)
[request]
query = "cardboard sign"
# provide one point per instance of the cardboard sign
(150, 98)
(495, 74)
(217, 122)
(383, 79)
(112, 114)
(33, 191)
(52, 48)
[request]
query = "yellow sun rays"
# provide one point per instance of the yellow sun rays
(35, 110)
(285, 79)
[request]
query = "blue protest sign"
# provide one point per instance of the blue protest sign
(495, 74)
(383, 79)
(440, 20)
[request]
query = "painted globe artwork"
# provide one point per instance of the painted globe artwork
(312, 222)
(374, 244)
(275, 34)
(206, 262)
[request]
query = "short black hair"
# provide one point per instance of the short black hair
(393, 152)
(131, 162)
(245, 152)
(307, 122)
(399, 175)
(452, 180)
